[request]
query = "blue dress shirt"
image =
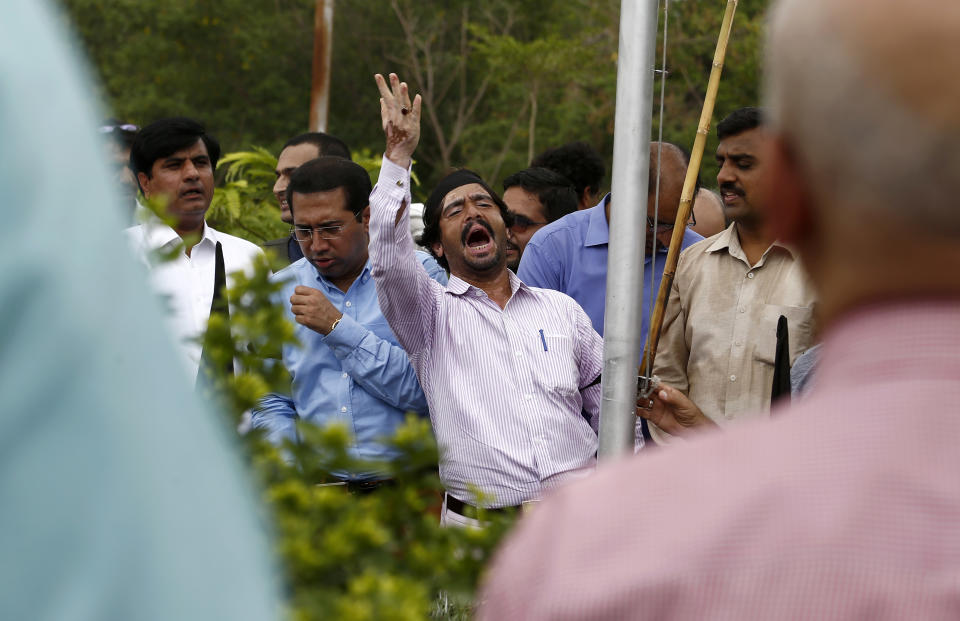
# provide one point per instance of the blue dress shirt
(357, 375)
(570, 255)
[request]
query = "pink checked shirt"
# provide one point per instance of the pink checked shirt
(503, 385)
(847, 506)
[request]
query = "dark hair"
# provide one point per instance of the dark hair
(327, 145)
(578, 162)
(165, 137)
(432, 209)
(329, 173)
(740, 121)
(553, 190)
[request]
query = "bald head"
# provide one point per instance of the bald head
(673, 169)
(865, 112)
(864, 93)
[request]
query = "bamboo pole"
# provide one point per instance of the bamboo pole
(686, 197)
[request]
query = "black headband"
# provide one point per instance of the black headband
(452, 181)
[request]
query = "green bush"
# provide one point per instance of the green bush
(380, 555)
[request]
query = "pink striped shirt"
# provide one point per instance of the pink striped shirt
(845, 507)
(503, 385)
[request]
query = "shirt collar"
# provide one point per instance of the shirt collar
(158, 234)
(598, 230)
(457, 286)
(730, 241)
(329, 286)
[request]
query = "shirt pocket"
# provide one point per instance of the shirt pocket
(799, 331)
(554, 369)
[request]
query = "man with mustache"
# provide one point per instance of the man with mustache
(509, 371)
(720, 329)
(174, 160)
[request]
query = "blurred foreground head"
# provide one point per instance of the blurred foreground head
(866, 159)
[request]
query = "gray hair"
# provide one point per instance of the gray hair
(864, 147)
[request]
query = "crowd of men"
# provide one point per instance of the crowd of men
(506, 291)
(490, 323)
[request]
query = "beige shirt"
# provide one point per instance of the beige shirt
(720, 329)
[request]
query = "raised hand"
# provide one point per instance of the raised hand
(400, 118)
(312, 309)
(671, 410)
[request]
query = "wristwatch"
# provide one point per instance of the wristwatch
(334, 325)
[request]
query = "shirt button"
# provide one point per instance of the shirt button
(344, 376)
(400, 182)
(742, 309)
(738, 343)
(528, 397)
(518, 353)
(750, 275)
(348, 304)
(343, 409)
(733, 378)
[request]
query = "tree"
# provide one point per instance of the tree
(242, 67)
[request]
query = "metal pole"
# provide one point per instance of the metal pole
(631, 158)
(322, 51)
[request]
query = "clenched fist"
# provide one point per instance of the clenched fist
(312, 309)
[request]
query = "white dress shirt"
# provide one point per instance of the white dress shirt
(186, 282)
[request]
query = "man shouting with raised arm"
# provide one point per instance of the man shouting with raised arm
(508, 370)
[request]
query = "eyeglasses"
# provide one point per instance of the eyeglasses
(666, 226)
(305, 233)
(522, 223)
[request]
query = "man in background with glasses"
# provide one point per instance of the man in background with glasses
(536, 197)
(348, 367)
(298, 150)
(720, 327)
(570, 255)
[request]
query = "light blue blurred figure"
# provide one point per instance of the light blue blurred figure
(120, 497)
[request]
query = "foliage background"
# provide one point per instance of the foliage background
(503, 78)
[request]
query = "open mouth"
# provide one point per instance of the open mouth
(730, 195)
(192, 194)
(478, 239)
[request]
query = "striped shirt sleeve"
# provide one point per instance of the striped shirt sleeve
(408, 297)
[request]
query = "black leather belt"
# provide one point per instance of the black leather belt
(365, 487)
(470, 511)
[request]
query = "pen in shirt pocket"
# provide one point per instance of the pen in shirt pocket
(543, 340)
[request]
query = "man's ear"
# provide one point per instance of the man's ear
(365, 219)
(437, 248)
(144, 182)
(587, 198)
(787, 202)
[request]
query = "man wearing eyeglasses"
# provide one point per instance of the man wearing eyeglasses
(536, 197)
(299, 150)
(348, 367)
(570, 255)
